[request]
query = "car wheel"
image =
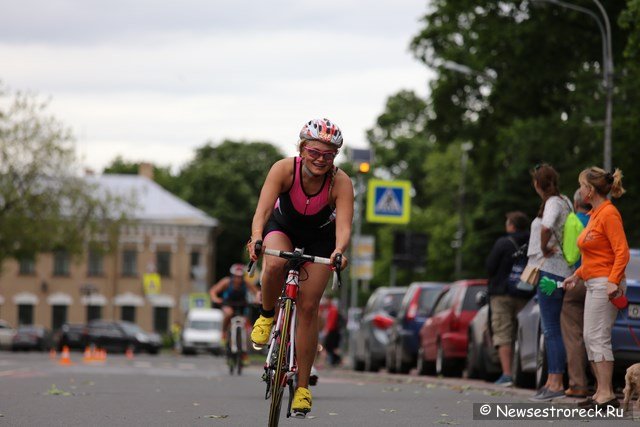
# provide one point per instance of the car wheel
(474, 364)
(402, 367)
(370, 365)
(444, 366)
(357, 364)
(520, 378)
(390, 360)
(541, 363)
(425, 367)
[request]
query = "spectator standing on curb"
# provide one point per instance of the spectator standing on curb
(572, 320)
(605, 254)
(544, 252)
(503, 306)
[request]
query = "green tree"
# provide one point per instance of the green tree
(44, 205)
(224, 181)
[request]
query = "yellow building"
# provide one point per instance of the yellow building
(168, 239)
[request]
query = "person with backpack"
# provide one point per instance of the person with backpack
(546, 253)
(572, 319)
(504, 300)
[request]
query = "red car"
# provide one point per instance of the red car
(443, 337)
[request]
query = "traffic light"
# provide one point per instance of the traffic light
(364, 167)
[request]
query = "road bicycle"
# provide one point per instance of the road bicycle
(281, 366)
(237, 340)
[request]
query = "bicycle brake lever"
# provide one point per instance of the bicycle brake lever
(252, 264)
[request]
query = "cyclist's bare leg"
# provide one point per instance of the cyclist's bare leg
(311, 291)
(273, 273)
(228, 314)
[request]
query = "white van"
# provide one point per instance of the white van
(202, 331)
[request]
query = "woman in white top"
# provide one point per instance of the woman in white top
(545, 252)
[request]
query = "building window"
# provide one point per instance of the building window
(195, 262)
(94, 312)
(161, 319)
(95, 267)
(129, 263)
(58, 316)
(163, 260)
(128, 313)
(27, 266)
(60, 263)
(25, 314)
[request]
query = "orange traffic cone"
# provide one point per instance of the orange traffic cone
(129, 353)
(65, 358)
(52, 354)
(88, 357)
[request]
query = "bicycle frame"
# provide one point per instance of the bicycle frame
(290, 292)
(280, 369)
(238, 323)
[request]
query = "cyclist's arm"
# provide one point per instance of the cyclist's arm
(281, 174)
(217, 288)
(343, 193)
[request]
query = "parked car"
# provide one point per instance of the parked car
(371, 338)
(32, 337)
(6, 334)
(529, 366)
(118, 336)
(482, 357)
(417, 304)
(202, 331)
(443, 337)
(70, 335)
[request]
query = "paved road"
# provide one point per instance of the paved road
(168, 390)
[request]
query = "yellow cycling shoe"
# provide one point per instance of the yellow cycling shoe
(301, 402)
(261, 330)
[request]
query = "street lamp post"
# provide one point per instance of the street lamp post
(607, 68)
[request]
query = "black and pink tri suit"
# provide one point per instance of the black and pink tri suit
(307, 220)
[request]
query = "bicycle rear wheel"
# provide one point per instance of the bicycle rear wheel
(279, 377)
(239, 353)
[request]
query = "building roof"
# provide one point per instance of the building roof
(153, 203)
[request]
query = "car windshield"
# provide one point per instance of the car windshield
(469, 302)
(391, 302)
(130, 328)
(202, 325)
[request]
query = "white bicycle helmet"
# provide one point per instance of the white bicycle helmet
(237, 269)
(322, 130)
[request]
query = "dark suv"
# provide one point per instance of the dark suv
(70, 335)
(416, 307)
(119, 336)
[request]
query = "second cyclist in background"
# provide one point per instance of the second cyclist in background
(232, 292)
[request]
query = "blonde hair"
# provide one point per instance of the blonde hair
(603, 182)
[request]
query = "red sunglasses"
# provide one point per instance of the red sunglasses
(327, 156)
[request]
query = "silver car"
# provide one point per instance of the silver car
(371, 338)
(6, 334)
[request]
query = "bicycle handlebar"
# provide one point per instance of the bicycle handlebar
(296, 255)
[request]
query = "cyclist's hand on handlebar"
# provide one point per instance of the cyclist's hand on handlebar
(251, 247)
(345, 261)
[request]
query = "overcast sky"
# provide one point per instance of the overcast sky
(153, 80)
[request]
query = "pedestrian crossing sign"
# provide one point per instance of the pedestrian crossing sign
(388, 201)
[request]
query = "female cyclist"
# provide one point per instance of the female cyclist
(305, 202)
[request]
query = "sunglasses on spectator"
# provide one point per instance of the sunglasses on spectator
(327, 156)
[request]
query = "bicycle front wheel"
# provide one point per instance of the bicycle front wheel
(280, 375)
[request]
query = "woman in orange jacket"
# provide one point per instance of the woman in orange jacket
(605, 254)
